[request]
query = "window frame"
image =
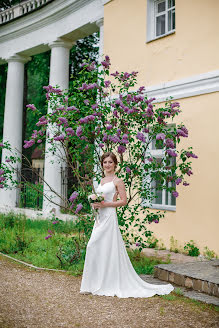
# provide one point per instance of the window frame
(158, 153)
(151, 19)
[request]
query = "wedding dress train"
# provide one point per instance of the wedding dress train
(108, 270)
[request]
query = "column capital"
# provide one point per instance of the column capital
(61, 43)
(99, 22)
(18, 58)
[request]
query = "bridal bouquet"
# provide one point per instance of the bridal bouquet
(96, 198)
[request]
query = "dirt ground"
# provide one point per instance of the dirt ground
(45, 299)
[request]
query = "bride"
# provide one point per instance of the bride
(108, 270)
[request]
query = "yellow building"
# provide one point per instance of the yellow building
(174, 46)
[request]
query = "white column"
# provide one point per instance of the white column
(99, 23)
(13, 120)
(59, 75)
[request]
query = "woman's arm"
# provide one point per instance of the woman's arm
(122, 194)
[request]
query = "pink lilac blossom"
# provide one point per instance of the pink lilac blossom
(94, 106)
(73, 196)
(128, 170)
(141, 137)
(182, 132)
(29, 143)
(171, 153)
(178, 181)
(169, 143)
(59, 138)
(70, 132)
(78, 208)
(160, 136)
(190, 154)
(86, 101)
(79, 131)
(31, 106)
(175, 194)
(107, 84)
(115, 74)
(121, 149)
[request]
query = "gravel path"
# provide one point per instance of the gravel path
(30, 298)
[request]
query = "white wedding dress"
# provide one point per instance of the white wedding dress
(108, 270)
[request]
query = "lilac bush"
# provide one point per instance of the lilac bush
(111, 114)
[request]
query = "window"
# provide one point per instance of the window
(163, 199)
(160, 18)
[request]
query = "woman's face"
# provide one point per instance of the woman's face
(109, 165)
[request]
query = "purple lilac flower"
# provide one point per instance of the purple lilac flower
(2, 179)
(55, 222)
(114, 138)
(107, 83)
(182, 132)
(115, 74)
(2, 171)
(72, 108)
(189, 172)
(79, 131)
(59, 138)
(105, 137)
(172, 153)
(29, 143)
(1, 186)
(160, 136)
(101, 145)
(78, 208)
(178, 181)
(175, 193)
(138, 244)
(8, 160)
(185, 183)
(175, 104)
(141, 137)
(156, 221)
(47, 237)
(73, 196)
(70, 131)
(109, 127)
(31, 106)
(128, 170)
(1, 144)
(94, 106)
(190, 154)
(169, 143)
(63, 120)
(121, 149)
(149, 111)
(115, 113)
(145, 130)
(141, 89)
(86, 101)
(150, 159)
(106, 63)
(50, 231)
(39, 141)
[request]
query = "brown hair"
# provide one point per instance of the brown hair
(109, 154)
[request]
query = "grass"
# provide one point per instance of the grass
(24, 239)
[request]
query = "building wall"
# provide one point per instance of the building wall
(192, 49)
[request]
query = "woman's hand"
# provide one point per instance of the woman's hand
(99, 205)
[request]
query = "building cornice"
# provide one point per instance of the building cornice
(54, 11)
(187, 87)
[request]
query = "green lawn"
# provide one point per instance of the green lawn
(24, 239)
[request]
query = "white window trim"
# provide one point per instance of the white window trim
(151, 23)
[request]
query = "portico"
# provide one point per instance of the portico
(54, 27)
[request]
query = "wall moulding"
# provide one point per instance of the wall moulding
(187, 87)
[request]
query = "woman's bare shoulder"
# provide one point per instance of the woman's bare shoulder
(118, 181)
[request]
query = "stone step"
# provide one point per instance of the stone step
(199, 276)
